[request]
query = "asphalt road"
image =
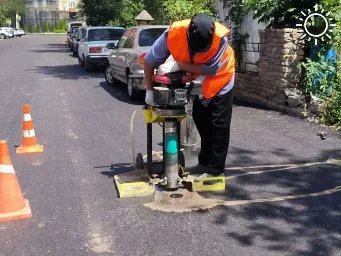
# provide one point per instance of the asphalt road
(84, 127)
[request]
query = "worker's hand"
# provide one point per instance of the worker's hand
(168, 67)
(149, 98)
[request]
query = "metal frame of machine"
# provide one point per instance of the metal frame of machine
(170, 111)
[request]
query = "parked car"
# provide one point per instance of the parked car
(20, 32)
(73, 37)
(69, 35)
(9, 31)
(4, 33)
(92, 48)
(77, 24)
(126, 59)
(76, 40)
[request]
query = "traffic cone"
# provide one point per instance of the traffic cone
(12, 204)
(29, 140)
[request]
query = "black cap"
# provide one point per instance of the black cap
(200, 32)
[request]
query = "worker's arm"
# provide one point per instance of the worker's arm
(211, 67)
(156, 56)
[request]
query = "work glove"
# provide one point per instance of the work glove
(149, 98)
(168, 67)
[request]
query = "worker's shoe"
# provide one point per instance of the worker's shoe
(202, 176)
(197, 169)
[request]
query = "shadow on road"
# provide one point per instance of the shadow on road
(120, 93)
(308, 226)
(67, 72)
(52, 48)
(115, 169)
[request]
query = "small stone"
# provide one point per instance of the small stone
(300, 52)
(295, 101)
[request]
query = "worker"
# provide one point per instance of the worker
(199, 46)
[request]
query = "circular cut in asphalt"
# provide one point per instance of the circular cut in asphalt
(188, 201)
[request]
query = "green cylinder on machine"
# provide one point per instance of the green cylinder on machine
(171, 142)
(171, 154)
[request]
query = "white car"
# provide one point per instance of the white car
(4, 33)
(20, 32)
(92, 49)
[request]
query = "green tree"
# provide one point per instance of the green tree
(31, 28)
(278, 14)
(52, 27)
(129, 9)
(100, 12)
(57, 26)
(185, 9)
(156, 9)
(9, 8)
(63, 25)
(46, 27)
(38, 28)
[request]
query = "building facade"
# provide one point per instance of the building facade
(50, 11)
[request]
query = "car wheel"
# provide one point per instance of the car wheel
(133, 93)
(87, 67)
(80, 62)
(108, 76)
(2, 36)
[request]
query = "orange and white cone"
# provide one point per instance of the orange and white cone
(13, 206)
(29, 140)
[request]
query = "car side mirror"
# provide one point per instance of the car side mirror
(111, 46)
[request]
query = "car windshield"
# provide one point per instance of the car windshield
(148, 36)
(105, 34)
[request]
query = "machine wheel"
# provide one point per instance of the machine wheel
(139, 162)
(182, 159)
(2, 36)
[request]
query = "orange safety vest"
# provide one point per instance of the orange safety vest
(178, 45)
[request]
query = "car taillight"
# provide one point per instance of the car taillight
(95, 50)
(141, 59)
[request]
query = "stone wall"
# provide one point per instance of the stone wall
(277, 83)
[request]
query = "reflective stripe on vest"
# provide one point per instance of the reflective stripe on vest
(177, 43)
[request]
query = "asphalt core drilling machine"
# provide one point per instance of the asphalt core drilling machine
(172, 92)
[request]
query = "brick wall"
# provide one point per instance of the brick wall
(277, 83)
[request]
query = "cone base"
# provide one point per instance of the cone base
(18, 215)
(30, 149)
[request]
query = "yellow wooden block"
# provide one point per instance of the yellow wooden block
(210, 184)
(134, 189)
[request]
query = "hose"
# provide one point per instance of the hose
(157, 153)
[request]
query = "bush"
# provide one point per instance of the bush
(60, 31)
(46, 27)
(38, 28)
(57, 25)
(25, 28)
(31, 29)
(63, 25)
(52, 27)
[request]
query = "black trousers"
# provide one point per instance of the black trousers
(213, 124)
